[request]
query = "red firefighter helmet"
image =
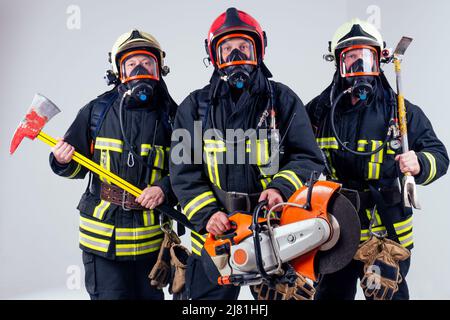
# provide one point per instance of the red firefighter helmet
(235, 22)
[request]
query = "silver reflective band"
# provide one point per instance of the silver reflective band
(109, 144)
(142, 233)
(96, 227)
(136, 249)
(93, 243)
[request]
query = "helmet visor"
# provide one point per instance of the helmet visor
(235, 49)
(139, 64)
(359, 60)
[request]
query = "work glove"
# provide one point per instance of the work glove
(179, 256)
(381, 259)
(160, 274)
(300, 289)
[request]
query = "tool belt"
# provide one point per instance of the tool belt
(236, 201)
(120, 197)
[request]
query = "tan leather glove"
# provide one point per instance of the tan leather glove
(160, 274)
(381, 267)
(301, 290)
(179, 256)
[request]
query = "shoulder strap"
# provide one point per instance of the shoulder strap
(99, 109)
(204, 104)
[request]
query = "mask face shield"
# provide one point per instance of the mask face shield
(138, 65)
(359, 60)
(236, 49)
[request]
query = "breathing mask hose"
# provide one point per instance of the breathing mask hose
(125, 139)
(333, 128)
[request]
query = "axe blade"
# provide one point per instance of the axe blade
(402, 46)
(40, 112)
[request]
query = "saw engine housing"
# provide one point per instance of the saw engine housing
(256, 247)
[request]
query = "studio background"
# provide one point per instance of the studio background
(59, 48)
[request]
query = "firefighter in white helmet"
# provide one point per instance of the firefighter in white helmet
(355, 121)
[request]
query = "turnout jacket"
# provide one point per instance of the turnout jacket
(194, 183)
(363, 128)
(106, 229)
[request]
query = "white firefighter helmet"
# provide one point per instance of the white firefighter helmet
(136, 39)
(355, 32)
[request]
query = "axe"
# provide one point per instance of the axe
(408, 183)
(40, 112)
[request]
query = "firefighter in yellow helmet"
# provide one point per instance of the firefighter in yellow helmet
(127, 131)
(355, 121)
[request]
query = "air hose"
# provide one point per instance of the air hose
(333, 128)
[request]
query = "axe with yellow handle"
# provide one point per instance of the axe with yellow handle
(40, 112)
(410, 197)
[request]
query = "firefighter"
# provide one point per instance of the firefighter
(239, 97)
(127, 131)
(358, 134)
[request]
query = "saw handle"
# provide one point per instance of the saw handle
(256, 229)
(229, 234)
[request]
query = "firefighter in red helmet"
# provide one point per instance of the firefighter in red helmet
(238, 97)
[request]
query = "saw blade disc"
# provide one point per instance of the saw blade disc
(343, 252)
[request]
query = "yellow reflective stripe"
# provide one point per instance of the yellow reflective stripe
(432, 161)
(262, 152)
(201, 237)
(138, 236)
(94, 243)
(377, 157)
(197, 243)
(213, 167)
(265, 182)
(96, 227)
(374, 171)
(214, 146)
(137, 233)
(406, 240)
(291, 177)
(377, 217)
(404, 226)
(105, 162)
(362, 145)
(156, 176)
(365, 235)
(75, 172)
(148, 217)
(108, 144)
(248, 147)
(99, 210)
(389, 150)
(378, 229)
(110, 140)
(138, 248)
(216, 142)
(159, 158)
(198, 203)
(327, 143)
(145, 149)
(402, 223)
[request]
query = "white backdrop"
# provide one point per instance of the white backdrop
(59, 48)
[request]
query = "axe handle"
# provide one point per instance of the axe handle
(401, 108)
(94, 167)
